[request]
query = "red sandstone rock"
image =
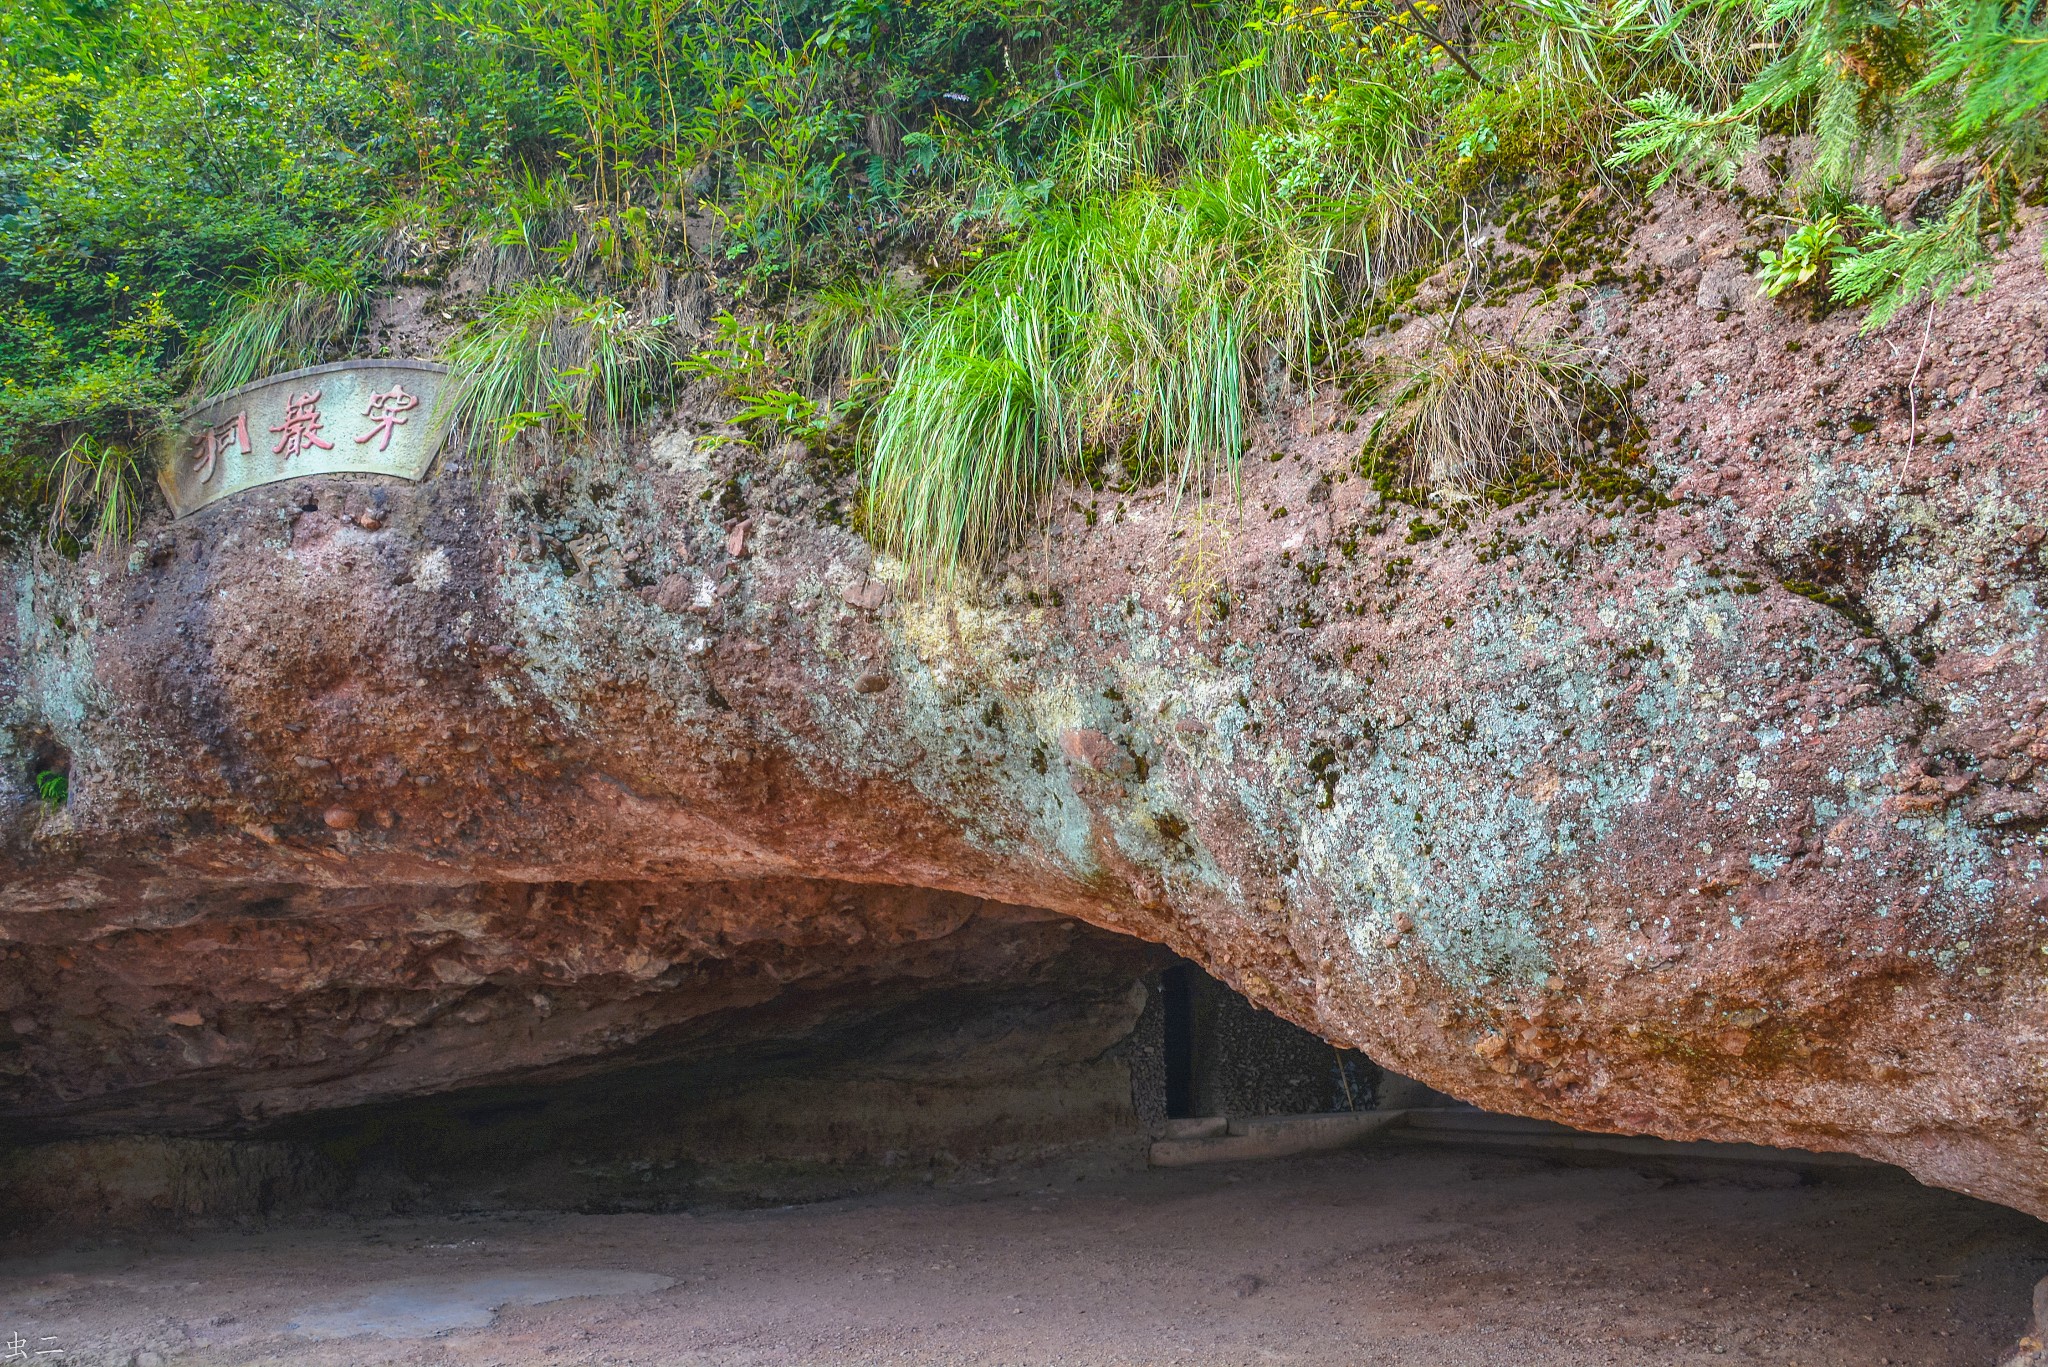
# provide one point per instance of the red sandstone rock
(1092, 750)
(673, 594)
(1703, 811)
(868, 595)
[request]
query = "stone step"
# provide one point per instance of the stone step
(1219, 1139)
(1198, 1127)
(1469, 1125)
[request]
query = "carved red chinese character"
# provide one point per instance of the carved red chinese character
(300, 430)
(387, 411)
(209, 442)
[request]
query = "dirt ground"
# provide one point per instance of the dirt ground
(1385, 1256)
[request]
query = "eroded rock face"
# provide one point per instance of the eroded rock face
(1702, 803)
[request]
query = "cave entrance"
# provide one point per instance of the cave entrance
(1083, 1059)
(1012, 1038)
(1177, 1040)
(1218, 1054)
(1065, 1088)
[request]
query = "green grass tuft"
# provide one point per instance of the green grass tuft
(286, 322)
(1127, 330)
(853, 329)
(544, 362)
(98, 493)
(1472, 415)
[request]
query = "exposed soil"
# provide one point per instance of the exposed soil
(1382, 1256)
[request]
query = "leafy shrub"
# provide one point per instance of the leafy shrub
(1802, 259)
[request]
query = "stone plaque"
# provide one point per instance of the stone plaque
(365, 417)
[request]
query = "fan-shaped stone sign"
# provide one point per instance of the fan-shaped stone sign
(359, 417)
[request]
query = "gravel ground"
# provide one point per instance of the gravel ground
(1386, 1256)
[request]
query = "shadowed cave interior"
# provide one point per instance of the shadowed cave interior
(1079, 1061)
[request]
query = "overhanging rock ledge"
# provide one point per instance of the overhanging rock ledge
(1704, 804)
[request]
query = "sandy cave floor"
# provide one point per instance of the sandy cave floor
(1379, 1256)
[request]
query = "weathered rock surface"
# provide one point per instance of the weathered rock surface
(1712, 809)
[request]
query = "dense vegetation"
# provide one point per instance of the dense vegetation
(983, 242)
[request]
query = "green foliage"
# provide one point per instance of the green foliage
(618, 66)
(1893, 266)
(1674, 134)
(1996, 63)
(283, 323)
(188, 145)
(1803, 257)
(741, 355)
(748, 361)
(117, 398)
(1965, 77)
(53, 788)
(1121, 212)
(785, 412)
(99, 488)
(68, 431)
(773, 116)
(543, 362)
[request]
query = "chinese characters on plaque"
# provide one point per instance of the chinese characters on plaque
(301, 426)
(368, 417)
(389, 410)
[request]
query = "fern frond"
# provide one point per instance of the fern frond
(1672, 131)
(1999, 63)
(1893, 267)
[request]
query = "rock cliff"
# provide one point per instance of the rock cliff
(1702, 797)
